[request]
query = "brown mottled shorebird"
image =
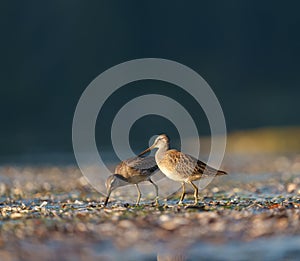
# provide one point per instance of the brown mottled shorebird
(179, 166)
(132, 171)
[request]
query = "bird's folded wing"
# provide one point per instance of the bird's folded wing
(188, 165)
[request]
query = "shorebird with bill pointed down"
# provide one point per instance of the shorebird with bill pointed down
(179, 166)
(132, 171)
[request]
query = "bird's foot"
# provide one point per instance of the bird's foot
(196, 202)
(155, 202)
(180, 203)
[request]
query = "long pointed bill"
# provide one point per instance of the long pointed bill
(145, 151)
(107, 198)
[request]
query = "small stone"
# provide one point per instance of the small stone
(43, 204)
(291, 187)
(126, 224)
(215, 190)
(169, 225)
(15, 215)
(81, 227)
(164, 218)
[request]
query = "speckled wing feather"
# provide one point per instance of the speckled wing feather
(188, 166)
(145, 165)
(141, 163)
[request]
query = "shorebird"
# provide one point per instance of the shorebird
(132, 171)
(179, 166)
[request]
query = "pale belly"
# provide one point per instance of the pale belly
(170, 174)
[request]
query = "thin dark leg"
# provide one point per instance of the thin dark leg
(139, 194)
(195, 193)
(156, 190)
(183, 193)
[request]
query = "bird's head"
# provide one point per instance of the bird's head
(160, 142)
(112, 182)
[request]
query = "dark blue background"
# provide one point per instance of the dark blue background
(248, 51)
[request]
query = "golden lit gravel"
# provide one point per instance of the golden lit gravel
(46, 209)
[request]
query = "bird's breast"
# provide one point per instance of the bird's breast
(170, 172)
